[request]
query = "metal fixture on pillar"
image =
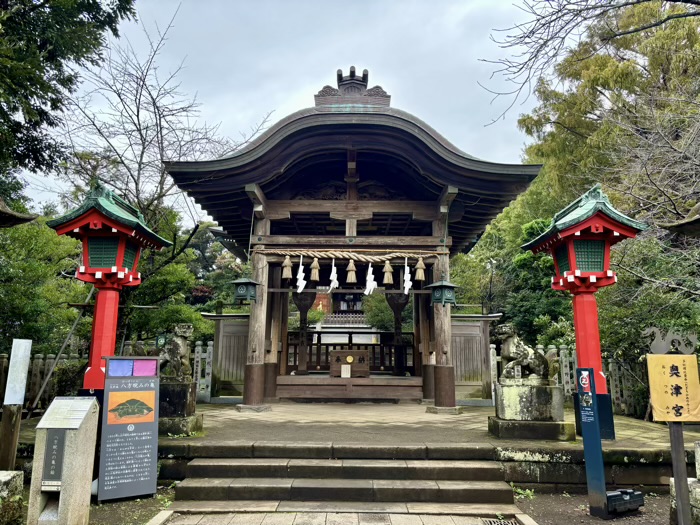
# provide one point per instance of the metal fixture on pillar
(443, 292)
(245, 290)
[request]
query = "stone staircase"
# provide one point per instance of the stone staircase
(300, 481)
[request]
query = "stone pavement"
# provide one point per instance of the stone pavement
(383, 423)
(397, 424)
(304, 518)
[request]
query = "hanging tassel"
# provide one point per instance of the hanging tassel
(287, 268)
(352, 277)
(420, 270)
(388, 273)
(314, 269)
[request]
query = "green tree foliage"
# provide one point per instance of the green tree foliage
(36, 285)
(379, 315)
(623, 111)
(41, 42)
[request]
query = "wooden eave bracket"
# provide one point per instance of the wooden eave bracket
(449, 193)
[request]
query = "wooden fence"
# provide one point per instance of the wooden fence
(623, 378)
(40, 365)
(39, 368)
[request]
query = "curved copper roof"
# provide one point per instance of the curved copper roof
(392, 144)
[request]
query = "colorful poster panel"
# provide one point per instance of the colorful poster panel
(131, 407)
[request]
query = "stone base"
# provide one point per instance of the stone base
(253, 408)
(694, 493)
(453, 411)
(11, 484)
(178, 426)
(521, 402)
(427, 401)
(550, 430)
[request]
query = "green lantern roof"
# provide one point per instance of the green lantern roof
(114, 207)
(587, 205)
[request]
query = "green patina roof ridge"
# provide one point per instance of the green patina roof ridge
(113, 206)
(587, 205)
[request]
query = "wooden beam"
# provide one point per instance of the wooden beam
(347, 209)
(260, 206)
(335, 240)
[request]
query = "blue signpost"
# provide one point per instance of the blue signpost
(592, 447)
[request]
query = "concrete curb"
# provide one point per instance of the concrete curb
(161, 518)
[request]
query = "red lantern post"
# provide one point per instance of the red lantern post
(579, 239)
(113, 234)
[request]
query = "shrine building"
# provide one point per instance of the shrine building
(355, 189)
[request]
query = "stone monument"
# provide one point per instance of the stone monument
(64, 453)
(178, 391)
(528, 404)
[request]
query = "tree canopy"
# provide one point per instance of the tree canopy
(620, 107)
(43, 45)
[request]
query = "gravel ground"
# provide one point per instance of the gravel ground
(571, 509)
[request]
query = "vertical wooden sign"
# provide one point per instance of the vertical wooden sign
(674, 387)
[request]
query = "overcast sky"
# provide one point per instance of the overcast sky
(244, 59)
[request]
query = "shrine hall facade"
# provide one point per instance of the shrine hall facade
(355, 189)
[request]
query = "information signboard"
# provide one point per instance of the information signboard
(592, 447)
(674, 387)
(129, 445)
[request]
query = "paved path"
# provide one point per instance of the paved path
(395, 424)
(383, 424)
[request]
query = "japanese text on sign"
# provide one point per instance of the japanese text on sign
(674, 387)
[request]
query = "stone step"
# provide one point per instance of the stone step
(345, 469)
(378, 490)
(506, 511)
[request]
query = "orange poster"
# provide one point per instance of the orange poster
(131, 407)
(674, 387)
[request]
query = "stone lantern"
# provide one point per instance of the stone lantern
(245, 290)
(113, 234)
(443, 292)
(579, 239)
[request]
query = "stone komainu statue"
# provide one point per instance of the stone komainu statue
(174, 362)
(514, 352)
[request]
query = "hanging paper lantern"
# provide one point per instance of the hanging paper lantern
(352, 277)
(420, 270)
(388, 273)
(314, 269)
(287, 268)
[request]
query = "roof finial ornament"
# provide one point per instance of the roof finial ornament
(352, 89)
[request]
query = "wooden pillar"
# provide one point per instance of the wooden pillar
(9, 430)
(254, 380)
(216, 357)
(486, 380)
(284, 333)
(428, 366)
(272, 353)
(444, 371)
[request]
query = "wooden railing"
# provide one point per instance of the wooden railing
(382, 354)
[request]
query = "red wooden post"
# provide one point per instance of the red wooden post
(113, 233)
(104, 337)
(588, 337)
